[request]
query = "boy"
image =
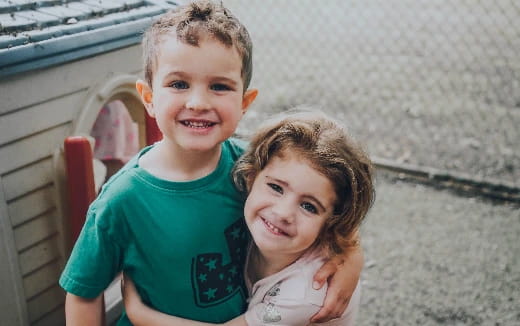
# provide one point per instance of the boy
(171, 218)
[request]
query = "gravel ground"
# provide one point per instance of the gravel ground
(436, 258)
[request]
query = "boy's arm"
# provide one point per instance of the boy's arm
(344, 272)
(80, 311)
(140, 314)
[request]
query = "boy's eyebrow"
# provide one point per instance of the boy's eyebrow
(230, 81)
(285, 184)
(185, 75)
(176, 73)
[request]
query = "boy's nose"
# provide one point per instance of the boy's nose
(198, 100)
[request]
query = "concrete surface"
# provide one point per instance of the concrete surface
(434, 257)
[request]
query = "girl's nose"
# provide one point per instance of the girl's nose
(198, 100)
(284, 211)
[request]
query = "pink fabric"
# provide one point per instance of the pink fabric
(287, 297)
(116, 133)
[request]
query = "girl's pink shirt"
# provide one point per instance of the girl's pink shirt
(288, 298)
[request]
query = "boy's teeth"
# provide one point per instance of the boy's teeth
(197, 124)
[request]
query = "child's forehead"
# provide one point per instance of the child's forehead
(194, 40)
(166, 40)
(170, 45)
(209, 59)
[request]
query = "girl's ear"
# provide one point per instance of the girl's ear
(146, 94)
(249, 97)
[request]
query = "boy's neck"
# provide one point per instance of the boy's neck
(171, 163)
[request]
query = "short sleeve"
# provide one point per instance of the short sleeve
(96, 257)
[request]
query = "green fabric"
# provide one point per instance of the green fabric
(183, 243)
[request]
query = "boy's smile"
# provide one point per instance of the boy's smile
(197, 124)
(197, 96)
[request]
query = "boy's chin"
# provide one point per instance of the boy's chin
(201, 148)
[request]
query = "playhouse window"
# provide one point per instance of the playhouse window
(116, 136)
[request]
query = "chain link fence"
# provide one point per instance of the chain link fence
(428, 83)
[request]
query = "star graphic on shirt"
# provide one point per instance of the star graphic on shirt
(236, 233)
(210, 293)
(211, 264)
(217, 276)
(233, 270)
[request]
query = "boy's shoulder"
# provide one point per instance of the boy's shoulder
(236, 146)
(123, 182)
(117, 189)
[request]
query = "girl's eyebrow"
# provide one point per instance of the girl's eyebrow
(311, 197)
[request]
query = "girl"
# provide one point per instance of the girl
(309, 188)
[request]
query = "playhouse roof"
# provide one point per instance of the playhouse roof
(38, 34)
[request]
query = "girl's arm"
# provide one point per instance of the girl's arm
(142, 315)
(344, 272)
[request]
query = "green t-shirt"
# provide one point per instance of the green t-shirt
(183, 243)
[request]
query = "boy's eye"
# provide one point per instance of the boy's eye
(309, 207)
(220, 87)
(275, 187)
(179, 84)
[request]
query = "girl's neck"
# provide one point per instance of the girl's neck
(262, 265)
(171, 163)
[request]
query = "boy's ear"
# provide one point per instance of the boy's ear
(249, 97)
(146, 94)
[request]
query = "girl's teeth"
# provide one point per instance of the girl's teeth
(272, 227)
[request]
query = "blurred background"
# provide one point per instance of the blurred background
(430, 83)
(421, 83)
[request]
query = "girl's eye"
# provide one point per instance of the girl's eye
(309, 207)
(220, 87)
(275, 187)
(179, 84)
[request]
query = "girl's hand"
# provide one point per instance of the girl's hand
(140, 314)
(344, 272)
(133, 305)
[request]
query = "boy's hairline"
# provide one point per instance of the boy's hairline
(207, 37)
(195, 22)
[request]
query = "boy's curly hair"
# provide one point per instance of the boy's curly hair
(190, 24)
(325, 145)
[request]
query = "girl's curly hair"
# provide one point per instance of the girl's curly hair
(329, 150)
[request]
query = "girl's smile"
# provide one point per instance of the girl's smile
(287, 206)
(275, 230)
